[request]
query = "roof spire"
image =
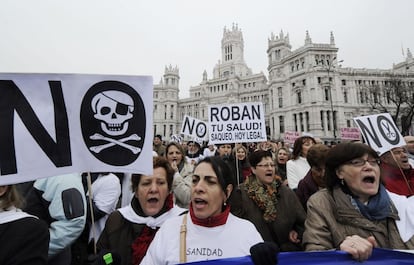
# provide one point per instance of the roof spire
(409, 54)
(308, 40)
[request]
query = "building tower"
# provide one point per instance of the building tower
(166, 102)
(278, 48)
(232, 55)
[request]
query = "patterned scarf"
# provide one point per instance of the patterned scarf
(142, 242)
(265, 196)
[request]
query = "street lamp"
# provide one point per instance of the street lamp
(328, 68)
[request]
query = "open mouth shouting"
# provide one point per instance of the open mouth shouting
(199, 203)
(153, 200)
(369, 179)
(282, 160)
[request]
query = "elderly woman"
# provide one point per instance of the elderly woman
(25, 238)
(129, 230)
(181, 186)
(273, 208)
(354, 213)
(298, 166)
(209, 231)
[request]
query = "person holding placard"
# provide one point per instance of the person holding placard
(130, 229)
(102, 199)
(396, 171)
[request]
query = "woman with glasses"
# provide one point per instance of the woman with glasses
(355, 213)
(273, 208)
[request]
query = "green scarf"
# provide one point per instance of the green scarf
(265, 196)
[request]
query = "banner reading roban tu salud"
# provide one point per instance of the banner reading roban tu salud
(54, 124)
(236, 123)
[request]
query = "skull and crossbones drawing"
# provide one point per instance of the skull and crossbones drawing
(114, 109)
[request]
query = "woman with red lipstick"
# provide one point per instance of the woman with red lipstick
(129, 230)
(209, 231)
(273, 208)
(181, 186)
(355, 213)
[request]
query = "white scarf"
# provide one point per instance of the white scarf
(128, 213)
(12, 214)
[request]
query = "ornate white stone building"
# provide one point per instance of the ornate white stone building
(307, 90)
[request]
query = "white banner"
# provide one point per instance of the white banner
(236, 123)
(195, 128)
(54, 124)
(380, 132)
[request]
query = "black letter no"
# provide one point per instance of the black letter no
(12, 100)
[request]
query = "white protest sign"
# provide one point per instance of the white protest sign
(350, 133)
(236, 123)
(194, 128)
(53, 124)
(380, 132)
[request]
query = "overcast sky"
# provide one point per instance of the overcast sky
(137, 37)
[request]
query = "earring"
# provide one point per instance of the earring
(225, 204)
(342, 182)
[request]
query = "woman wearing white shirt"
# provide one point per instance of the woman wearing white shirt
(209, 231)
(298, 166)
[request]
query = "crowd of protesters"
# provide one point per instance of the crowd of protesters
(277, 197)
